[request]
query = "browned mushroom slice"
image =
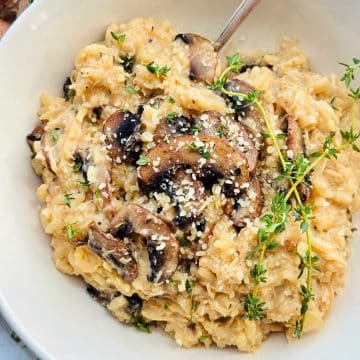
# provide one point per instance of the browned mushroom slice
(294, 140)
(180, 125)
(162, 246)
(248, 207)
(35, 135)
(81, 162)
(247, 113)
(122, 135)
(116, 251)
(187, 195)
(203, 58)
(215, 124)
(102, 297)
(191, 151)
(50, 150)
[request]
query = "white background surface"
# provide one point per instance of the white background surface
(51, 311)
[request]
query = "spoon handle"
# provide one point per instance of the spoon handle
(236, 19)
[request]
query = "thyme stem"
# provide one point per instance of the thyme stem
(275, 220)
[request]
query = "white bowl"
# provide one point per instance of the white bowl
(51, 312)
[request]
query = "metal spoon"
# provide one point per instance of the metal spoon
(236, 19)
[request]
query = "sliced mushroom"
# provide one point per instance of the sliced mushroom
(114, 250)
(50, 150)
(135, 304)
(215, 124)
(305, 189)
(294, 140)
(80, 158)
(247, 114)
(187, 194)
(162, 246)
(122, 135)
(35, 135)
(237, 86)
(248, 207)
(180, 125)
(203, 58)
(225, 161)
(102, 297)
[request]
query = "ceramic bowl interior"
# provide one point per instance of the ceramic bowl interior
(52, 312)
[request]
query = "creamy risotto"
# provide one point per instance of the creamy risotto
(163, 187)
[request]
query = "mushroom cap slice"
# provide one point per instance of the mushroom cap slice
(36, 134)
(252, 209)
(216, 124)
(187, 195)
(294, 140)
(181, 125)
(162, 246)
(122, 134)
(114, 251)
(203, 58)
(247, 113)
(224, 160)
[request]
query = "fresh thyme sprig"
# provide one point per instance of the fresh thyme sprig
(349, 74)
(295, 172)
(194, 304)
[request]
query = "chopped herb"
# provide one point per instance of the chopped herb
(33, 155)
(83, 183)
(118, 37)
(171, 117)
(128, 63)
(200, 149)
(70, 230)
(15, 337)
(143, 325)
(188, 287)
(55, 135)
(142, 161)
(97, 193)
(130, 90)
(280, 136)
(196, 129)
(67, 200)
(157, 69)
(140, 322)
(170, 100)
(221, 131)
(202, 338)
(77, 166)
(184, 242)
(68, 93)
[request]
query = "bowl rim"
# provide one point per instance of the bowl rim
(29, 339)
(5, 309)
